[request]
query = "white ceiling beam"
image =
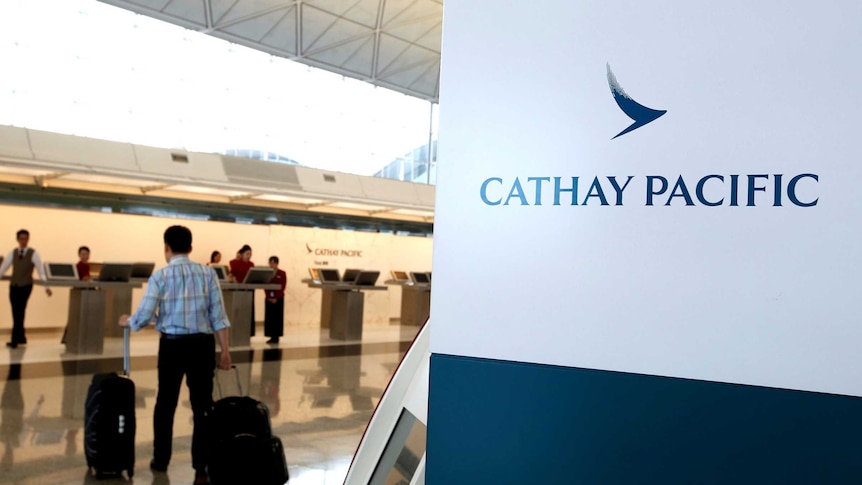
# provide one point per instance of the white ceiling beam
(252, 16)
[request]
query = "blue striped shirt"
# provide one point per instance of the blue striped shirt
(182, 298)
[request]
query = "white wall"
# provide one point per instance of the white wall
(761, 295)
(57, 234)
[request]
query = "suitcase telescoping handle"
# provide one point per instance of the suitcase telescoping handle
(127, 366)
(238, 383)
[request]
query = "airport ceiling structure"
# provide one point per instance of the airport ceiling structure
(389, 43)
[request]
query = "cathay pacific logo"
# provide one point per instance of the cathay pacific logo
(634, 110)
(706, 189)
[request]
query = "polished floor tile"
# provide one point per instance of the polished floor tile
(320, 393)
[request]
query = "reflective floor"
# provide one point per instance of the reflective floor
(320, 393)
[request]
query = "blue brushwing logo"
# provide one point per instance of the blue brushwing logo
(634, 110)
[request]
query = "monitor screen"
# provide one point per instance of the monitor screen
(220, 271)
(315, 273)
(95, 268)
(143, 270)
(400, 276)
(350, 275)
(421, 278)
(61, 271)
(403, 451)
(259, 275)
(367, 278)
(330, 275)
(115, 272)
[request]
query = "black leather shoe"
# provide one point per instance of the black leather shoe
(12, 345)
(156, 467)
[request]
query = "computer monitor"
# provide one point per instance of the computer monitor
(60, 271)
(429, 276)
(221, 272)
(400, 275)
(259, 275)
(95, 269)
(367, 278)
(420, 278)
(350, 275)
(143, 270)
(120, 272)
(314, 273)
(329, 275)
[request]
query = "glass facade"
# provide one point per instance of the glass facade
(85, 68)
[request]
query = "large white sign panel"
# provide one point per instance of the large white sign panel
(718, 238)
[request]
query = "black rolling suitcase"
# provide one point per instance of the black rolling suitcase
(244, 449)
(109, 422)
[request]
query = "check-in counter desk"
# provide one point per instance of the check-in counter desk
(343, 308)
(238, 302)
(415, 302)
(88, 308)
(325, 302)
(118, 303)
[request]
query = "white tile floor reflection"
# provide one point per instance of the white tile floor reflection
(320, 392)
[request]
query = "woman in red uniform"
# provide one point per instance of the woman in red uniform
(238, 269)
(83, 264)
(273, 321)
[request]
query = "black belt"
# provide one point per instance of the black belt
(190, 336)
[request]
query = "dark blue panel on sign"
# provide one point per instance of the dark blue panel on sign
(497, 422)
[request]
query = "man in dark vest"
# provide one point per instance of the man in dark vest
(22, 260)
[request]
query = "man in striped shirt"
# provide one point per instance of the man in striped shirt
(185, 301)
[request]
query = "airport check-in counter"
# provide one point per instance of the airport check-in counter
(415, 301)
(88, 309)
(343, 307)
(118, 303)
(238, 302)
(325, 302)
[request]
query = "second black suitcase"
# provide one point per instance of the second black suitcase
(244, 449)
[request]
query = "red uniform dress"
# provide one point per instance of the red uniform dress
(239, 268)
(83, 270)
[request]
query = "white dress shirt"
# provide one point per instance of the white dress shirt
(37, 262)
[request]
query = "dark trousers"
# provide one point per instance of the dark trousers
(273, 323)
(18, 296)
(253, 322)
(192, 356)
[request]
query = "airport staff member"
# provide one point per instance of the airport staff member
(22, 260)
(83, 265)
(185, 300)
(273, 320)
(83, 268)
(239, 267)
